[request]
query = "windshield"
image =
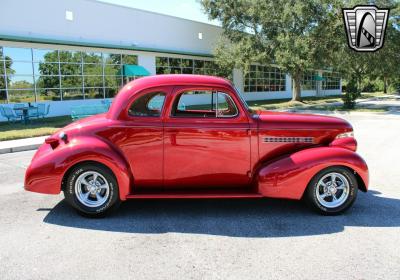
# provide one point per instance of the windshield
(251, 111)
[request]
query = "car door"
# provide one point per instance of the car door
(206, 140)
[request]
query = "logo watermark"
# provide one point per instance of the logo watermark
(365, 27)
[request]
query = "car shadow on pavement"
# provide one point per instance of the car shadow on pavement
(233, 217)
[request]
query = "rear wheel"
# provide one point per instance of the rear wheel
(332, 191)
(92, 189)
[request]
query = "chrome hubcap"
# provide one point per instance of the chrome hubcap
(92, 189)
(332, 190)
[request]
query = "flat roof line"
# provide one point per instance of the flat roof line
(96, 45)
(151, 12)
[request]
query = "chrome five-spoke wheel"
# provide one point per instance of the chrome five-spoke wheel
(92, 189)
(332, 190)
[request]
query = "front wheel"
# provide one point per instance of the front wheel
(332, 191)
(92, 190)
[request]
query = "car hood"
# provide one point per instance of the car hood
(283, 120)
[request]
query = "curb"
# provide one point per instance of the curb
(19, 149)
(20, 145)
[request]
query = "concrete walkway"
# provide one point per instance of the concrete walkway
(20, 145)
(390, 102)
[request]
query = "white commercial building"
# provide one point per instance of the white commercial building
(70, 52)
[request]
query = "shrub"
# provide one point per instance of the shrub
(352, 93)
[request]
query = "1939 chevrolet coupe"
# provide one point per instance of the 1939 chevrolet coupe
(189, 136)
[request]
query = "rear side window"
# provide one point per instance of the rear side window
(204, 104)
(148, 105)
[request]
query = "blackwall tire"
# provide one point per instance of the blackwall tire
(92, 190)
(332, 191)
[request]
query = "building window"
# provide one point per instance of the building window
(113, 79)
(69, 15)
(309, 82)
(331, 81)
(264, 78)
(172, 65)
(19, 79)
(28, 75)
(3, 93)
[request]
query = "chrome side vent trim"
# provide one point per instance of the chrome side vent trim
(309, 140)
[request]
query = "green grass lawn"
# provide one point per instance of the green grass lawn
(39, 127)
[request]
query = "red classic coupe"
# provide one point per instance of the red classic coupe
(190, 136)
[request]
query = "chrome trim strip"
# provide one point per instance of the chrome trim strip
(273, 139)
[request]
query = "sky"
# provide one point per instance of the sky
(188, 9)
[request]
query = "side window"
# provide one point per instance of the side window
(204, 104)
(148, 105)
(225, 107)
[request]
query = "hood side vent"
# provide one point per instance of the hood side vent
(309, 140)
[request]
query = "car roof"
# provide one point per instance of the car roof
(140, 84)
(177, 79)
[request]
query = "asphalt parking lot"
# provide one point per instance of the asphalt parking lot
(42, 238)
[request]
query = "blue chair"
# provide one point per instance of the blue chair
(19, 113)
(8, 113)
(33, 112)
(43, 110)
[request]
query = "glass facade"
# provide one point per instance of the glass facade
(332, 80)
(37, 74)
(309, 81)
(173, 65)
(264, 78)
(31, 74)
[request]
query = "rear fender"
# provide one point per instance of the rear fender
(48, 167)
(289, 176)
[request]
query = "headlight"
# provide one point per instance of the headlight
(345, 134)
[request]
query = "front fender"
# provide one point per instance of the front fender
(48, 166)
(289, 176)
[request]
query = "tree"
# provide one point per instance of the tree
(296, 35)
(385, 62)
(8, 65)
(3, 77)
(70, 68)
(49, 71)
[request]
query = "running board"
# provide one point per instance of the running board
(194, 195)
